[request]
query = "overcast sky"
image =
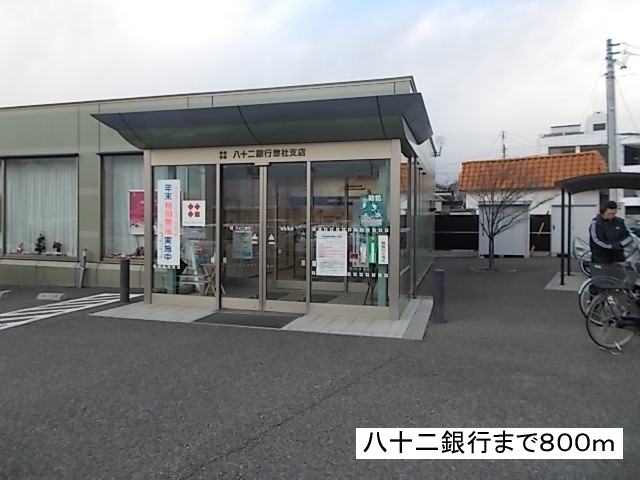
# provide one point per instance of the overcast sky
(482, 66)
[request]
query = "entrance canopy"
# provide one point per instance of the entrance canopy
(380, 117)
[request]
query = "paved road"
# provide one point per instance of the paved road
(22, 296)
(22, 316)
(88, 397)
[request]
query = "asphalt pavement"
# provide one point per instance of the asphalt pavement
(88, 397)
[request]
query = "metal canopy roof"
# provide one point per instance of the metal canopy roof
(345, 119)
(600, 181)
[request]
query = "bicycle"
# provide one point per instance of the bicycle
(586, 293)
(582, 253)
(588, 290)
(613, 316)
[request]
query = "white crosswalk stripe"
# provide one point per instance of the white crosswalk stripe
(32, 314)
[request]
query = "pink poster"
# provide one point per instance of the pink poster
(136, 212)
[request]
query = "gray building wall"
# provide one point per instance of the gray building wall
(69, 129)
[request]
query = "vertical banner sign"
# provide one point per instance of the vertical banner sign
(383, 250)
(331, 253)
(169, 223)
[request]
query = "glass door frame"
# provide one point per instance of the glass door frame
(317, 152)
(225, 301)
(283, 305)
(262, 304)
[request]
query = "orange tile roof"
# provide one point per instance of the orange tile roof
(540, 172)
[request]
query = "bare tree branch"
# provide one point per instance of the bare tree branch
(504, 188)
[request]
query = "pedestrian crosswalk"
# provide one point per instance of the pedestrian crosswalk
(27, 315)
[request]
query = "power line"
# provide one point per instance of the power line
(588, 108)
(627, 44)
(520, 139)
(624, 101)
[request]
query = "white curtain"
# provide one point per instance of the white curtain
(42, 197)
(121, 174)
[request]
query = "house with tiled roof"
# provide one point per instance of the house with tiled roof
(537, 176)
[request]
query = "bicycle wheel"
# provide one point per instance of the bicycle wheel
(585, 263)
(586, 293)
(602, 323)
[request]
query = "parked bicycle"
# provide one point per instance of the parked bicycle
(582, 253)
(588, 290)
(613, 315)
(581, 250)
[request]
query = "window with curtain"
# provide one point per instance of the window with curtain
(42, 206)
(123, 206)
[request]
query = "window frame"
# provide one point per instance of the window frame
(3, 208)
(103, 159)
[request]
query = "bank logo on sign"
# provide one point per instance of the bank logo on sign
(194, 210)
(193, 213)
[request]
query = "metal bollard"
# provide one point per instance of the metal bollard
(83, 268)
(124, 280)
(438, 296)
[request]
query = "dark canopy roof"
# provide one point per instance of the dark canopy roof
(600, 181)
(345, 119)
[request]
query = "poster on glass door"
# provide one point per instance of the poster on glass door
(242, 246)
(371, 210)
(331, 253)
(168, 247)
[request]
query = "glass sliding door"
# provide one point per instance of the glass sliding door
(350, 232)
(286, 223)
(240, 235)
(184, 255)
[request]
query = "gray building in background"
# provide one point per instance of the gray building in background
(287, 198)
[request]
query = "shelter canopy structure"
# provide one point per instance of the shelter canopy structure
(585, 183)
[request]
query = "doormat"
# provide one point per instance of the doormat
(250, 319)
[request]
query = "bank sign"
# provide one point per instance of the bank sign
(168, 247)
(242, 154)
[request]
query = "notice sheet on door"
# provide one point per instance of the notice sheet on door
(242, 247)
(331, 254)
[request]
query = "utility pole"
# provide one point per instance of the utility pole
(504, 147)
(611, 114)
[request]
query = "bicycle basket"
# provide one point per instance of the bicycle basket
(579, 247)
(613, 276)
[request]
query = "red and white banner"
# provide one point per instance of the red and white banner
(168, 223)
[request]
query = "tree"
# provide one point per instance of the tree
(507, 194)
